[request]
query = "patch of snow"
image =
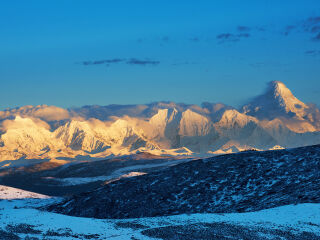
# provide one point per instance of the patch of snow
(15, 193)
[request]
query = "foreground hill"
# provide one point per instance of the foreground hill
(242, 182)
(54, 179)
(22, 220)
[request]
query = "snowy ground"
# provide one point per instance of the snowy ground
(83, 180)
(15, 193)
(124, 172)
(19, 218)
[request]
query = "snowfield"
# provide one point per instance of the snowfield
(20, 218)
(84, 180)
(15, 193)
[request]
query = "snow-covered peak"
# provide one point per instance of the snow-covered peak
(121, 123)
(163, 117)
(194, 124)
(78, 135)
(232, 117)
(165, 126)
(119, 131)
(25, 134)
(286, 99)
(277, 101)
(75, 125)
(121, 128)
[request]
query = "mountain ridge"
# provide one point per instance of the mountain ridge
(271, 120)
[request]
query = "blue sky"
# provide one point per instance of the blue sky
(74, 53)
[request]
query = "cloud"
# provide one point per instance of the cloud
(312, 52)
(165, 39)
(241, 32)
(313, 20)
(134, 61)
(51, 113)
(230, 37)
(43, 112)
(288, 29)
(317, 37)
(183, 63)
(98, 124)
(141, 40)
(261, 29)
(224, 36)
(104, 61)
(258, 64)
(131, 61)
(243, 29)
(310, 26)
(194, 39)
(315, 29)
(20, 122)
(243, 35)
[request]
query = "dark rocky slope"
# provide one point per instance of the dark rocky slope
(247, 181)
(43, 177)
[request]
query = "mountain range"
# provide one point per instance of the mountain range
(275, 119)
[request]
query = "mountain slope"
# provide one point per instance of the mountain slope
(79, 136)
(25, 138)
(165, 127)
(241, 182)
(277, 101)
(15, 193)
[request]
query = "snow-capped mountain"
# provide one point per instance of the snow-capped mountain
(165, 127)
(78, 136)
(275, 119)
(25, 137)
(278, 100)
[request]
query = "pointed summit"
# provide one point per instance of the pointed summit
(230, 118)
(280, 90)
(277, 101)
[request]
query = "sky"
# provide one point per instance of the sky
(75, 53)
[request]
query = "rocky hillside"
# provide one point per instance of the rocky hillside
(58, 179)
(241, 182)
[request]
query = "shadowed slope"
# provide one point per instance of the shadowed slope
(247, 181)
